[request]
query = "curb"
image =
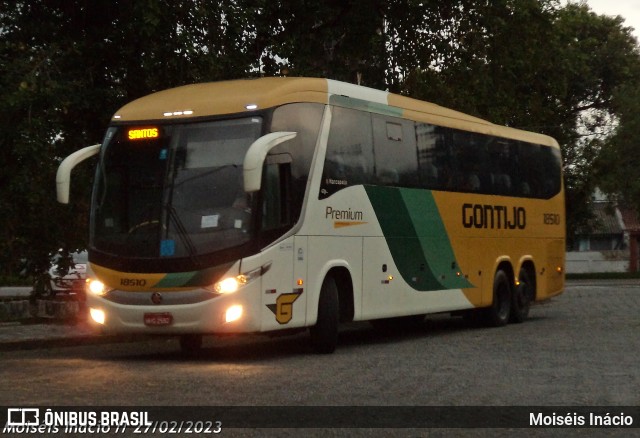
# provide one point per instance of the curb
(30, 324)
(16, 309)
(47, 331)
(73, 340)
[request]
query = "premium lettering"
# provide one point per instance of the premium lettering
(495, 217)
(349, 214)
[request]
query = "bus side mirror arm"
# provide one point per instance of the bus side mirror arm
(63, 177)
(254, 159)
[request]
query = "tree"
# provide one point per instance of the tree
(534, 65)
(617, 167)
(65, 68)
(35, 104)
(339, 39)
(600, 57)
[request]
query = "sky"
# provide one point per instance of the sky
(628, 9)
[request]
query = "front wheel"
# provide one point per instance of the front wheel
(324, 335)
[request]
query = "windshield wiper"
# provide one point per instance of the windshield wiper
(207, 173)
(183, 234)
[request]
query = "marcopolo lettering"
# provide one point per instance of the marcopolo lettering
(498, 217)
(350, 215)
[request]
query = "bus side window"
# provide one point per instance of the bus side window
(349, 159)
(431, 152)
(394, 145)
(303, 118)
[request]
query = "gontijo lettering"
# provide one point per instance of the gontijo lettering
(493, 216)
(143, 133)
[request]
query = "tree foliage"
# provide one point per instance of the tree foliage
(617, 164)
(533, 65)
(66, 66)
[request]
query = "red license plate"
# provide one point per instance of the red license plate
(158, 319)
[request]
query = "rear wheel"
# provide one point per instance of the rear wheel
(498, 314)
(522, 297)
(324, 335)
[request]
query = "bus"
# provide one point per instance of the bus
(259, 205)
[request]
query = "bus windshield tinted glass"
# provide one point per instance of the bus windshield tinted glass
(174, 190)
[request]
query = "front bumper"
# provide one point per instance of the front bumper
(176, 312)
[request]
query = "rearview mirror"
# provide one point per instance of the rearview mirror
(63, 176)
(254, 159)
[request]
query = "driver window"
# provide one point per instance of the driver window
(276, 192)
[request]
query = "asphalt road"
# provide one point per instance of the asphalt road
(580, 349)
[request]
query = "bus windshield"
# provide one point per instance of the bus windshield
(173, 190)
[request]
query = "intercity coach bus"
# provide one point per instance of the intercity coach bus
(266, 204)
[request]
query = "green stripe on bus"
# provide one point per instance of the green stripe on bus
(365, 105)
(176, 279)
(202, 278)
(207, 277)
(416, 237)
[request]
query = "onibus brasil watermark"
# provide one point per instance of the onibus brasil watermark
(41, 421)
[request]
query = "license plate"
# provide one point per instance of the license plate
(158, 319)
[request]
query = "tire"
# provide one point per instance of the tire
(498, 314)
(522, 297)
(191, 345)
(324, 335)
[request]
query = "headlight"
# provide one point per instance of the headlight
(232, 284)
(96, 287)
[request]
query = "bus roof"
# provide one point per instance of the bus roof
(246, 95)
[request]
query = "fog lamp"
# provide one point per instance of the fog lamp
(97, 315)
(233, 313)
